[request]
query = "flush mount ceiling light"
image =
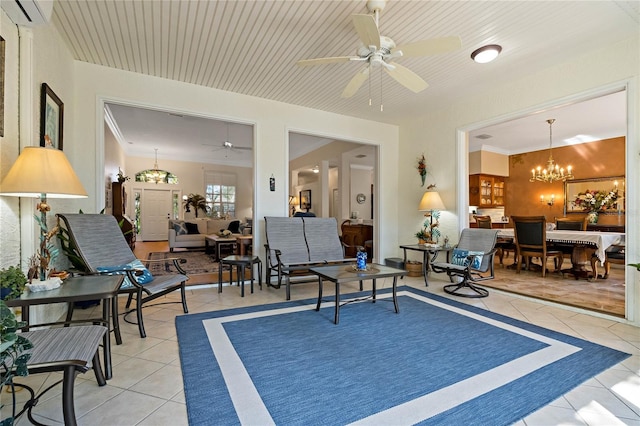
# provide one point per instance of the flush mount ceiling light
(486, 53)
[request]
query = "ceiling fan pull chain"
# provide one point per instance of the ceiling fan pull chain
(381, 105)
(369, 82)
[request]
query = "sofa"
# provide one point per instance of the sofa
(191, 233)
(296, 244)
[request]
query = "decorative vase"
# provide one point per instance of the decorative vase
(423, 177)
(592, 217)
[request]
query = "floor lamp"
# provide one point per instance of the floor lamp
(431, 202)
(42, 172)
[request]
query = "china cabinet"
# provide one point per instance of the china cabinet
(486, 191)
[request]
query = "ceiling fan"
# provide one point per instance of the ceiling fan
(380, 51)
(228, 146)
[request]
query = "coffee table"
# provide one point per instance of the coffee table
(339, 274)
(217, 241)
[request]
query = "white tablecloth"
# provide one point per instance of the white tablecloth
(601, 240)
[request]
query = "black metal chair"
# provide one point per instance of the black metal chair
(531, 241)
(98, 242)
(466, 265)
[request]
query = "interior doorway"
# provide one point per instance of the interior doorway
(603, 114)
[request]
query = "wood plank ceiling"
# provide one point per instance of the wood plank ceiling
(250, 47)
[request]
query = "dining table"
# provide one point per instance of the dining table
(588, 247)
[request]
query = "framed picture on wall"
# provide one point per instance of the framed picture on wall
(51, 118)
(305, 200)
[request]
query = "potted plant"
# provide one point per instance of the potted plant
(13, 360)
(422, 236)
(198, 202)
(12, 282)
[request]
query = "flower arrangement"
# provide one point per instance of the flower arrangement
(422, 168)
(595, 201)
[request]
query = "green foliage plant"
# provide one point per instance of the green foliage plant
(13, 360)
(198, 202)
(13, 278)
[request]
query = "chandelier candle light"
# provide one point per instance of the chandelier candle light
(553, 172)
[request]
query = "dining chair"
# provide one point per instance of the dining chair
(503, 245)
(483, 221)
(530, 235)
(569, 224)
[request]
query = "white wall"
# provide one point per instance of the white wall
(448, 161)
(272, 120)
(10, 147)
(33, 56)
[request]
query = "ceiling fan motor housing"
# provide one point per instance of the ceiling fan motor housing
(386, 44)
(376, 5)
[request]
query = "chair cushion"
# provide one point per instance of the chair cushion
(180, 228)
(460, 257)
(192, 228)
(144, 278)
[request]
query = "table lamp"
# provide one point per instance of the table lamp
(430, 202)
(293, 202)
(42, 172)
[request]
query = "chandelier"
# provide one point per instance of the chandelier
(553, 172)
(156, 175)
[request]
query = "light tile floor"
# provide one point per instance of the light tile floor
(146, 388)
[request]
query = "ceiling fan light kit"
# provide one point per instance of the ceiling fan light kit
(486, 53)
(380, 51)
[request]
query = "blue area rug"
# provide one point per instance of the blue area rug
(436, 362)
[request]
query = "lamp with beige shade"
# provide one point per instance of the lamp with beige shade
(431, 203)
(41, 172)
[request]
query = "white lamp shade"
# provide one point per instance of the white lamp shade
(40, 170)
(431, 201)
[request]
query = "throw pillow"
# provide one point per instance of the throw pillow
(461, 257)
(234, 226)
(180, 228)
(143, 278)
(192, 228)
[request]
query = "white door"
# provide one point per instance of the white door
(155, 211)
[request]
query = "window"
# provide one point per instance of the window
(220, 194)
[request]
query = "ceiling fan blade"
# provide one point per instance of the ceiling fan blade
(367, 30)
(355, 83)
(322, 61)
(429, 47)
(407, 78)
